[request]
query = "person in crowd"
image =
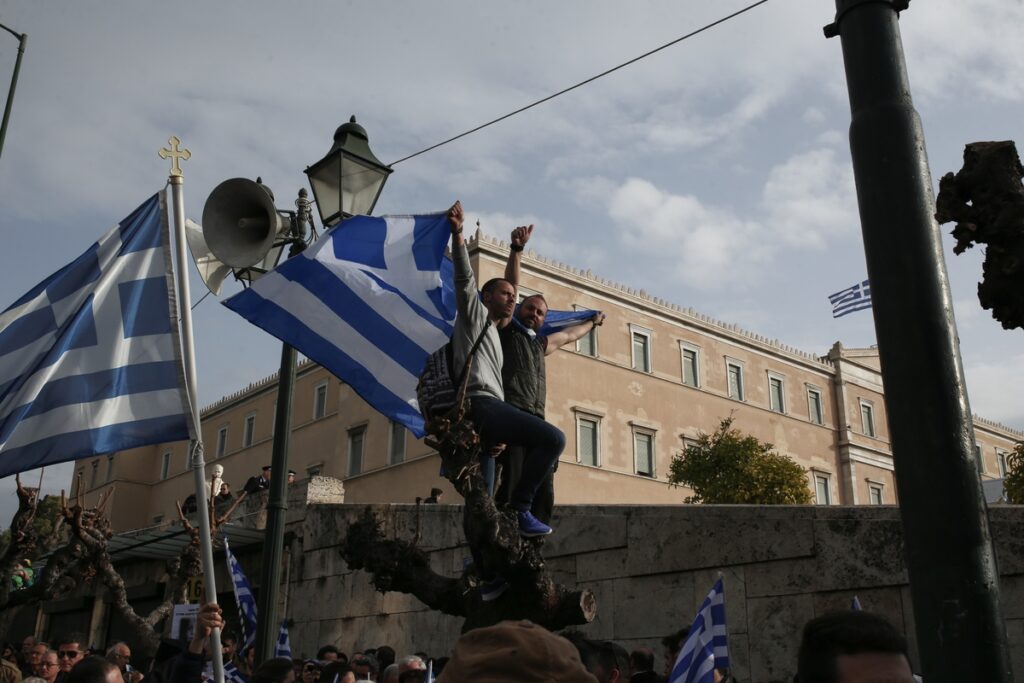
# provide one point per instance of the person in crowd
(187, 667)
(338, 670)
(311, 671)
(329, 653)
(365, 666)
(673, 643)
(276, 670)
(35, 656)
(497, 421)
(852, 647)
(121, 655)
(259, 483)
(413, 676)
(514, 652)
(385, 656)
(291, 476)
(389, 674)
(607, 661)
(93, 669)
(641, 666)
(434, 498)
(523, 375)
(9, 652)
(10, 672)
(27, 643)
(49, 666)
(71, 649)
(224, 496)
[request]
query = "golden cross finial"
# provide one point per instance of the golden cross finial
(175, 153)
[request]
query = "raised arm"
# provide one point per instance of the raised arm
(520, 236)
(559, 339)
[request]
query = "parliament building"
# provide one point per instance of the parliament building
(629, 396)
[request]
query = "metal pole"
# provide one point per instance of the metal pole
(22, 42)
(953, 577)
(196, 446)
(277, 502)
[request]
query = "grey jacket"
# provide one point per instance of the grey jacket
(485, 375)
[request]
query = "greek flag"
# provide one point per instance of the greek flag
(231, 673)
(706, 647)
(283, 646)
(90, 358)
(244, 597)
(369, 302)
(851, 299)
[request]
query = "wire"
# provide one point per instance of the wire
(584, 82)
(208, 292)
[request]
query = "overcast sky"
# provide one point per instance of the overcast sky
(715, 174)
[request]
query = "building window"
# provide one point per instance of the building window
(588, 440)
(397, 443)
(643, 452)
(875, 496)
(815, 408)
(776, 393)
(691, 366)
(249, 431)
(356, 437)
(867, 417)
(641, 348)
(314, 470)
(822, 490)
(165, 465)
(979, 457)
(320, 401)
(94, 478)
(1001, 462)
(587, 344)
(222, 441)
(735, 373)
(110, 468)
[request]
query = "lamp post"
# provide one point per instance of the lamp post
(345, 183)
(22, 41)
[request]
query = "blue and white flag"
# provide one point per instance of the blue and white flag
(556, 321)
(90, 358)
(707, 645)
(283, 646)
(231, 673)
(369, 302)
(851, 299)
(244, 597)
(855, 604)
(429, 678)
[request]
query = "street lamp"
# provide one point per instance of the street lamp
(345, 183)
(349, 179)
(22, 41)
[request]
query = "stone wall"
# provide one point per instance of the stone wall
(650, 567)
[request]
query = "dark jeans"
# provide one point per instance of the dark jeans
(511, 462)
(499, 422)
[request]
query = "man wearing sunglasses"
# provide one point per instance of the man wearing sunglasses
(70, 651)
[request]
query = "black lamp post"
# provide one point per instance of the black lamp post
(345, 183)
(349, 179)
(22, 41)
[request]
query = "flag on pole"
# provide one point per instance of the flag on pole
(283, 646)
(369, 302)
(90, 358)
(429, 678)
(244, 597)
(855, 298)
(706, 647)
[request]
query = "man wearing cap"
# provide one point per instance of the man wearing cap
(291, 476)
(258, 483)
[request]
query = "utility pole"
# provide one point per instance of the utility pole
(953, 577)
(22, 42)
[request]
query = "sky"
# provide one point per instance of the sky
(714, 174)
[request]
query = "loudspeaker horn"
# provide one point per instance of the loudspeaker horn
(210, 268)
(240, 222)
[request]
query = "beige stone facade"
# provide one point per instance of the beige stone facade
(628, 399)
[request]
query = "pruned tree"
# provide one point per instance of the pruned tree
(1013, 482)
(986, 199)
(729, 467)
(493, 534)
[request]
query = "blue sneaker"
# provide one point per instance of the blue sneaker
(493, 589)
(530, 526)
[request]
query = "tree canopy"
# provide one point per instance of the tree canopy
(729, 467)
(1013, 482)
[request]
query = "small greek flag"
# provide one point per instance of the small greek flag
(90, 358)
(706, 647)
(231, 673)
(283, 646)
(851, 299)
(244, 597)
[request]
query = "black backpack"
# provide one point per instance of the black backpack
(438, 391)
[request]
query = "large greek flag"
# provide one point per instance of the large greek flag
(243, 597)
(706, 647)
(90, 358)
(369, 302)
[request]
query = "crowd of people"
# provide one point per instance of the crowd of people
(842, 647)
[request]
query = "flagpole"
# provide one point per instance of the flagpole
(176, 181)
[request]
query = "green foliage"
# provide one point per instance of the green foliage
(1013, 483)
(728, 467)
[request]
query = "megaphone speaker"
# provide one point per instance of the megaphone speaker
(240, 222)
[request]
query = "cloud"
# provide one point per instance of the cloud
(988, 382)
(811, 197)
